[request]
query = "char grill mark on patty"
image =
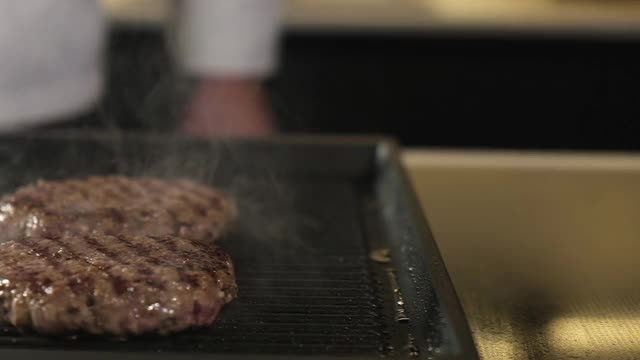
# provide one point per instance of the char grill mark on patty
(100, 284)
(101, 255)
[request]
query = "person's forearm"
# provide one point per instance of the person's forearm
(229, 107)
(229, 46)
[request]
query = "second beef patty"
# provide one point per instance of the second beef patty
(116, 205)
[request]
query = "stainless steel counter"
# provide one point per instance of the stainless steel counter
(542, 249)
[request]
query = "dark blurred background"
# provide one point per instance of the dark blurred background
(448, 88)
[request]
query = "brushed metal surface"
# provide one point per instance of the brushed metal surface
(542, 249)
(599, 17)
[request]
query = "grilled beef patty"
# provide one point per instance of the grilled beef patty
(116, 205)
(114, 255)
(118, 285)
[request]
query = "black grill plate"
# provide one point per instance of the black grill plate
(312, 210)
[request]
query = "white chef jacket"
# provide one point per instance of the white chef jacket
(51, 51)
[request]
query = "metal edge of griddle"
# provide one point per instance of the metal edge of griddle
(417, 260)
(400, 344)
(345, 155)
(371, 140)
(110, 355)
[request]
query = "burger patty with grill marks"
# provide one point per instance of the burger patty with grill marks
(118, 285)
(115, 205)
(114, 255)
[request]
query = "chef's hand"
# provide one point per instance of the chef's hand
(228, 107)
